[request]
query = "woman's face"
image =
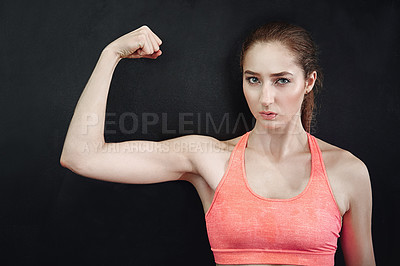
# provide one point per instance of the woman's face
(274, 85)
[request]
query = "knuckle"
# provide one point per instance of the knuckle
(142, 38)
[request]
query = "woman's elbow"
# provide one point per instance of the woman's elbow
(72, 162)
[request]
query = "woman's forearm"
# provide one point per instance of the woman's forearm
(86, 130)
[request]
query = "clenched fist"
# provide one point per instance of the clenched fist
(139, 43)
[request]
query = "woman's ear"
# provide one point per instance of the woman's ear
(310, 81)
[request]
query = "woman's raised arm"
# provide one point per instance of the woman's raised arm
(85, 151)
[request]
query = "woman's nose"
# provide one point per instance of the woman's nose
(267, 96)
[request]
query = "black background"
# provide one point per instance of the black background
(51, 216)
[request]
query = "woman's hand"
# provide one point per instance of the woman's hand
(139, 43)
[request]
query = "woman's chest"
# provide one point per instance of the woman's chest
(279, 181)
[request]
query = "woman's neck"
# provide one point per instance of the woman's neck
(278, 143)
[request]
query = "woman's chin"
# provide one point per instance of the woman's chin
(271, 126)
(278, 127)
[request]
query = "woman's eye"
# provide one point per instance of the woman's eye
(282, 81)
(252, 80)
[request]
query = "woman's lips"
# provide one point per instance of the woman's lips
(268, 115)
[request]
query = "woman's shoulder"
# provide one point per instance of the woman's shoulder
(341, 158)
(347, 174)
(343, 166)
(209, 156)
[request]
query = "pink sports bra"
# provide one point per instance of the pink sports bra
(246, 228)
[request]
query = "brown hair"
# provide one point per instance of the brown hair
(300, 42)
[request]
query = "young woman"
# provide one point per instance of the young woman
(275, 195)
